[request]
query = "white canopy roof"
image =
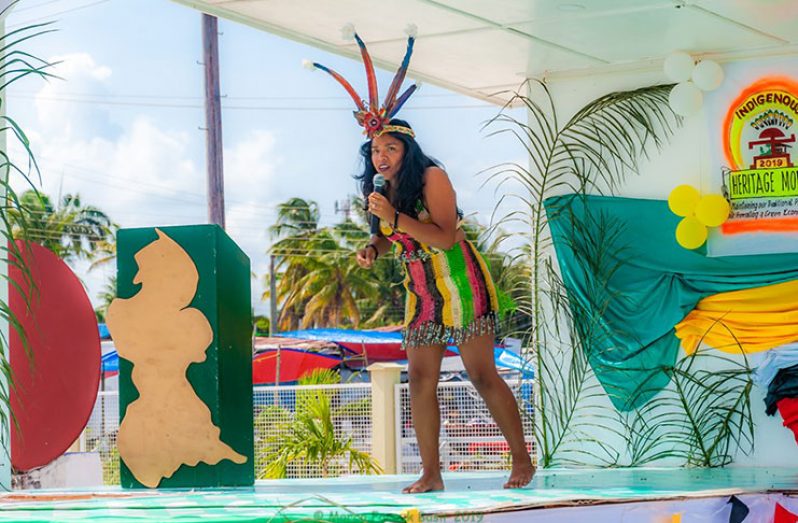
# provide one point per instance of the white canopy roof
(481, 47)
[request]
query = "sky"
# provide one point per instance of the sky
(123, 127)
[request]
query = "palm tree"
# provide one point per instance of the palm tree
(510, 273)
(333, 282)
(319, 283)
(104, 252)
(104, 255)
(106, 296)
(296, 219)
(295, 229)
(69, 229)
(385, 303)
(309, 437)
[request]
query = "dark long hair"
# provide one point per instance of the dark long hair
(409, 179)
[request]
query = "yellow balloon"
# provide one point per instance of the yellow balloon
(712, 210)
(691, 233)
(683, 200)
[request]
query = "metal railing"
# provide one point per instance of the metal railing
(276, 425)
(469, 437)
(470, 440)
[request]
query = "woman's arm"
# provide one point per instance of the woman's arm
(440, 201)
(381, 243)
(367, 256)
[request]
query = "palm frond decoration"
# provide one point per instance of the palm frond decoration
(703, 418)
(567, 381)
(15, 64)
(592, 152)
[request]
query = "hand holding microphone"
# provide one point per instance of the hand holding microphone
(379, 206)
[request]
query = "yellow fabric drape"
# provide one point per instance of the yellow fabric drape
(749, 320)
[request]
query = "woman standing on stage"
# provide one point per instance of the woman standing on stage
(450, 295)
(451, 298)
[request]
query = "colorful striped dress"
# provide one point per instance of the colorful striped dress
(450, 293)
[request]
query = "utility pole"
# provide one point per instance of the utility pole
(344, 207)
(272, 298)
(213, 120)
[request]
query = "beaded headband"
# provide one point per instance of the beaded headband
(374, 120)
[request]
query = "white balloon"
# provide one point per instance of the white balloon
(707, 75)
(685, 99)
(678, 66)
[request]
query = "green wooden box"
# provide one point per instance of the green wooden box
(224, 380)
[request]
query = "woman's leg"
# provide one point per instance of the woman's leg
(423, 372)
(477, 354)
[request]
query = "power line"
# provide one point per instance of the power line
(13, 92)
(228, 107)
(36, 6)
(310, 240)
(58, 13)
(103, 179)
(355, 231)
(176, 194)
(284, 253)
(235, 211)
(171, 193)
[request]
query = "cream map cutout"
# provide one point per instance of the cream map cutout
(168, 425)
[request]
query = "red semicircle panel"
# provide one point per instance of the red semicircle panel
(54, 393)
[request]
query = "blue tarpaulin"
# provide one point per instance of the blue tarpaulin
(110, 362)
(344, 336)
(505, 359)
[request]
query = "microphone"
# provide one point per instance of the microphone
(379, 186)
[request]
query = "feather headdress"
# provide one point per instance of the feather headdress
(373, 118)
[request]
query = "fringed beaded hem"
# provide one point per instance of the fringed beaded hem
(430, 333)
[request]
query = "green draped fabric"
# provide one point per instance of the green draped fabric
(630, 283)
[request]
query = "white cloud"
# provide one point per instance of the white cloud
(250, 166)
(79, 78)
(137, 179)
(77, 65)
(142, 173)
(251, 181)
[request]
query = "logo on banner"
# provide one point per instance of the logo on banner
(759, 139)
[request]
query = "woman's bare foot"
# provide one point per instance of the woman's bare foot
(521, 474)
(426, 483)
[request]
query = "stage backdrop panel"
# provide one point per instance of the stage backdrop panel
(181, 324)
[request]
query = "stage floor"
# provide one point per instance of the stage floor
(379, 498)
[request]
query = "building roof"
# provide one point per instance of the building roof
(483, 47)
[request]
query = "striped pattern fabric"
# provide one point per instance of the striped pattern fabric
(450, 294)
